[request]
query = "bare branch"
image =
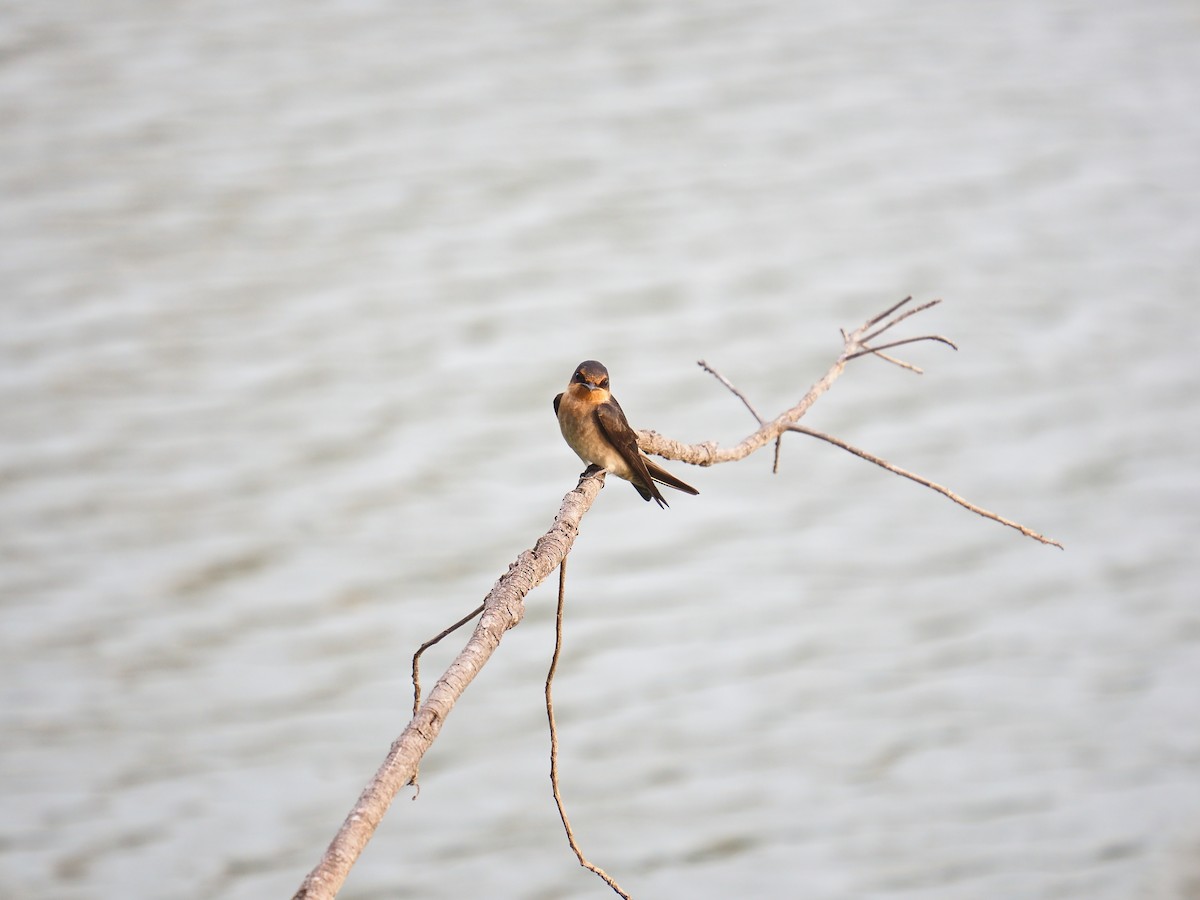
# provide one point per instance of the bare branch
(709, 454)
(852, 340)
(503, 608)
(725, 381)
(925, 337)
(901, 363)
(900, 318)
(562, 811)
(883, 463)
(887, 312)
(754, 412)
(416, 675)
(416, 664)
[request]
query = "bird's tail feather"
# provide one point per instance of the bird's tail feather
(662, 476)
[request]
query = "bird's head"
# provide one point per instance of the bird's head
(590, 382)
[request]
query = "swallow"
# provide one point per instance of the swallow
(595, 427)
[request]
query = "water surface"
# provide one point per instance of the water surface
(287, 292)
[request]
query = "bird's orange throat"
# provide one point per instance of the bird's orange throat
(581, 394)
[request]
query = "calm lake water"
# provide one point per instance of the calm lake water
(287, 290)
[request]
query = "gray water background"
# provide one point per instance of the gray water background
(287, 289)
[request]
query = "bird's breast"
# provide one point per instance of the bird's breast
(577, 420)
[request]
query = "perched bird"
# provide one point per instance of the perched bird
(596, 429)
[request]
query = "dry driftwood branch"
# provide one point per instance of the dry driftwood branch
(708, 453)
(503, 607)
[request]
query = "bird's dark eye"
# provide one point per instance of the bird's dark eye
(604, 383)
(579, 376)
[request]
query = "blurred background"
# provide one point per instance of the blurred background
(287, 290)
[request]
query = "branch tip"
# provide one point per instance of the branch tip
(941, 339)
(887, 312)
(912, 476)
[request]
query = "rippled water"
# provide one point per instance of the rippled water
(287, 291)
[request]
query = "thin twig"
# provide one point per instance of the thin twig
(901, 363)
(709, 453)
(900, 318)
(562, 812)
(912, 340)
(725, 381)
(416, 677)
(966, 504)
(416, 666)
(750, 406)
(887, 312)
(883, 463)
